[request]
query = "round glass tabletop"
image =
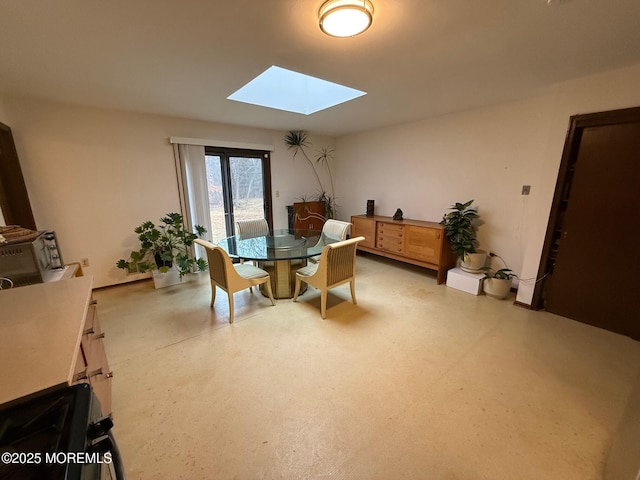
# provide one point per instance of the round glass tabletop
(278, 245)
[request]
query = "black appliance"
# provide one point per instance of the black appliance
(58, 434)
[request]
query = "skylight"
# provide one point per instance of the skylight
(295, 92)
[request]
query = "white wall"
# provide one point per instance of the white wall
(486, 154)
(93, 175)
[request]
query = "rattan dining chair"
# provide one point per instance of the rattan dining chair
(232, 278)
(337, 266)
(252, 228)
(332, 231)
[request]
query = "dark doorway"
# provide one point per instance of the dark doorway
(591, 254)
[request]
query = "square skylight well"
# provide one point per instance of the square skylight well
(295, 92)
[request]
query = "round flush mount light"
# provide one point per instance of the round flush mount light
(345, 18)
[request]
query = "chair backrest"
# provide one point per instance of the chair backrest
(220, 265)
(335, 229)
(252, 228)
(339, 260)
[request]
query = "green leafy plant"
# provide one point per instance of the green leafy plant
(298, 142)
(163, 245)
(459, 228)
(503, 273)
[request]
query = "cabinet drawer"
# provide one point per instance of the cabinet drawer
(390, 244)
(391, 248)
(389, 230)
(92, 365)
(90, 321)
(100, 379)
(390, 237)
(80, 369)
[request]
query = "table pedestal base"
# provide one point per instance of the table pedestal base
(283, 277)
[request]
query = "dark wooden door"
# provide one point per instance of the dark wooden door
(14, 200)
(595, 277)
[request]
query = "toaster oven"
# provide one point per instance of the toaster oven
(34, 261)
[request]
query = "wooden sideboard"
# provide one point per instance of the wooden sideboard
(412, 241)
(49, 338)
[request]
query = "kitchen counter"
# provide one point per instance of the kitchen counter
(41, 328)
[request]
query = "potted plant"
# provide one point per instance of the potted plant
(164, 248)
(298, 142)
(498, 284)
(460, 229)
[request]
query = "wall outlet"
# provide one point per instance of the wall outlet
(84, 262)
(526, 189)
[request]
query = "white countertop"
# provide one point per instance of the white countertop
(40, 331)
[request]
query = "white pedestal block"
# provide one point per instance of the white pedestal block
(172, 277)
(465, 281)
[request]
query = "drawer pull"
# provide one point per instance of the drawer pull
(109, 375)
(96, 372)
(100, 335)
(88, 331)
(81, 375)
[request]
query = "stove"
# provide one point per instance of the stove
(57, 435)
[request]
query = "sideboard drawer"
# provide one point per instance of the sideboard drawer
(390, 237)
(390, 230)
(391, 246)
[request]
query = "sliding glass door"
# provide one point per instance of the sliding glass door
(239, 187)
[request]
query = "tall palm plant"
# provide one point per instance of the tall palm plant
(298, 142)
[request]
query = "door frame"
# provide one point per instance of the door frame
(265, 156)
(577, 124)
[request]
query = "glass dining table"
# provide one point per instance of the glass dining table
(280, 253)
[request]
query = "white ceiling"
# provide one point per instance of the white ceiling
(420, 58)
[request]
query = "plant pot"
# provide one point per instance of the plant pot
(496, 287)
(474, 262)
(171, 277)
(162, 263)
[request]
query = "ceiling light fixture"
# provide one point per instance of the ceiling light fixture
(345, 18)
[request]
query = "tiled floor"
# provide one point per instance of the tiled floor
(417, 381)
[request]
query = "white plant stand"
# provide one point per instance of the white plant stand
(161, 280)
(465, 281)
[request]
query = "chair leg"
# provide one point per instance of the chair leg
(267, 286)
(230, 306)
(297, 290)
(353, 291)
(213, 293)
(250, 288)
(323, 303)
